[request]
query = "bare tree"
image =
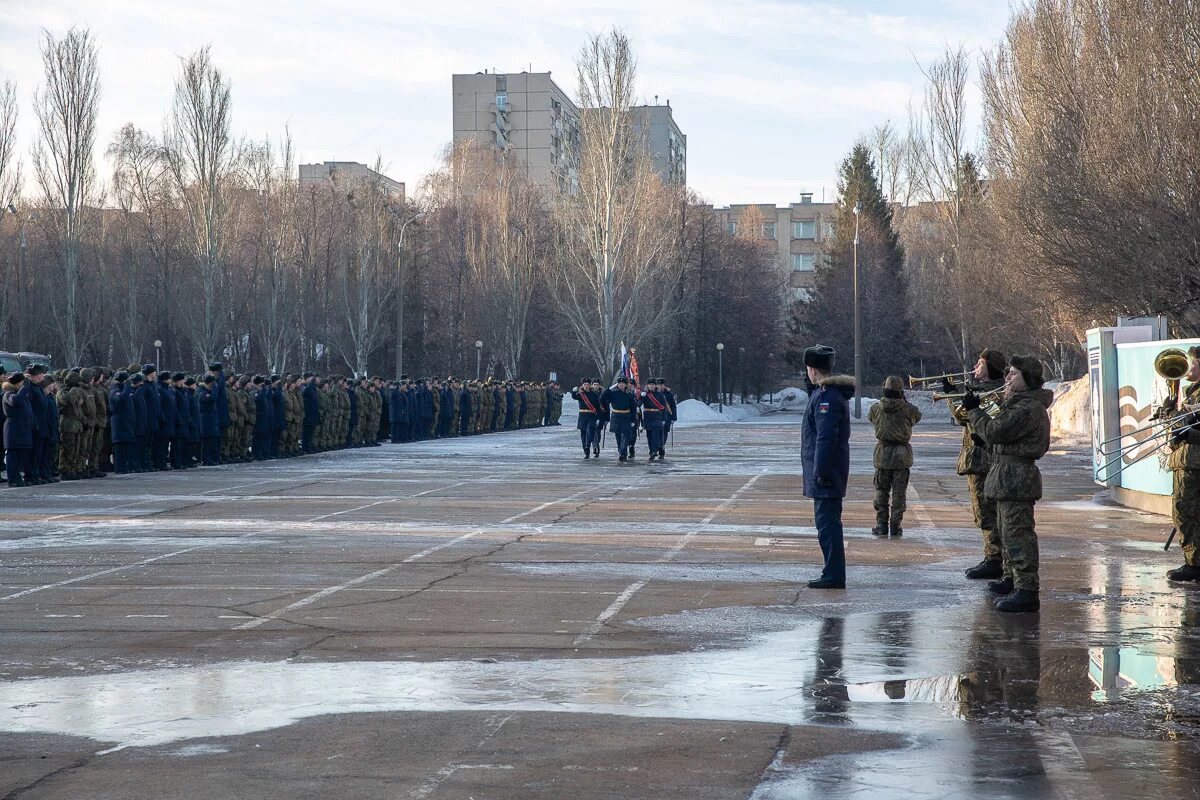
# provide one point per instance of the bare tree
(270, 176)
(10, 168)
(364, 276)
(616, 232)
(66, 108)
(202, 158)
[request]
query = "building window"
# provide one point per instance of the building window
(731, 228)
(502, 102)
(804, 229)
(768, 230)
(802, 262)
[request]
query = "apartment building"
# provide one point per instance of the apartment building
(799, 231)
(529, 114)
(348, 172)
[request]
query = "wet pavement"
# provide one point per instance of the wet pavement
(497, 618)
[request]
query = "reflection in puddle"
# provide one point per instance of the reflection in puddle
(1116, 669)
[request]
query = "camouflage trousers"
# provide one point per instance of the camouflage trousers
(1185, 512)
(70, 453)
(892, 482)
(97, 450)
(984, 511)
(1014, 518)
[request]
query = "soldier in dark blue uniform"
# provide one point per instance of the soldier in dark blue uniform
(589, 417)
(654, 417)
(673, 410)
(312, 411)
(122, 422)
(138, 454)
(194, 439)
(18, 430)
(825, 448)
(220, 400)
(38, 463)
(466, 411)
(622, 410)
(179, 442)
(166, 422)
(210, 423)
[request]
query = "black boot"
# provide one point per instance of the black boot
(1002, 586)
(622, 458)
(897, 529)
(596, 452)
(1021, 600)
(880, 530)
(986, 569)
(586, 454)
(1186, 573)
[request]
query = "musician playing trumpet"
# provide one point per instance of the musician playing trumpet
(1016, 437)
(973, 462)
(1184, 463)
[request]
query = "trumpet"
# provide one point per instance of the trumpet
(989, 401)
(919, 383)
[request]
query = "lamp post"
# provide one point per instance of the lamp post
(857, 325)
(720, 377)
(770, 379)
(157, 350)
(400, 294)
(478, 356)
(742, 371)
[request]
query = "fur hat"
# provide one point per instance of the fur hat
(136, 378)
(16, 378)
(73, 379)
(893, 383)
(1031, 370)
(149, 369)
(820, 357)
(177, 376)
(120, 377)
(87, 374)
(995, 362)
(35, 369)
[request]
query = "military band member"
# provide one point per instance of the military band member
(973, 462)
(1184, 463)
(893, 418)
(1017, 437)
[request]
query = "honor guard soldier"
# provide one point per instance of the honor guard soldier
(589, 417)
(622, 408)
(655, 412)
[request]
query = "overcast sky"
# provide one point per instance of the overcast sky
(770, 94)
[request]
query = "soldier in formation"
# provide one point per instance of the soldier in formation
(893, 417)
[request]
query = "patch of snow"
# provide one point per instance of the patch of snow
(1071, 414)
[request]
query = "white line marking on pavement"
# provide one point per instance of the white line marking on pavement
(379, 573)
(427, 788)
(635, 587)
(172, 554)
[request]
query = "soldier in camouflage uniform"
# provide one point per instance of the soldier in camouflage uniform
(435, 390)
(70, 424)
(100, 441)
(249, 418)
(973, 462)
(229, 434)
(293, 413)
(86, 467)
(1184, 463)
(893, 418)
(1018, 437)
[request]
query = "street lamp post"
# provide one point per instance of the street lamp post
(720, 377)
(742, 371)
(157, 352)
(478, 357)
(770, 378)
(857, 325)
(400, 295)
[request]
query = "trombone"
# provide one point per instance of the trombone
(920, 383)
(1102, 471)
(1171, 365)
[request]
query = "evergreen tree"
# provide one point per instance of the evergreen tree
(828, 317)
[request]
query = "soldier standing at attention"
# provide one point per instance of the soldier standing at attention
(1018, 437)
(210, 428)
(122, 422)
(825, 448)
(622, 406)
(70, 411)
(893, 418)
(18, 431)
(221, 399)
(974, 462)
(1184, 463)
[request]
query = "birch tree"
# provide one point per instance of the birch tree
(616, 233)
(202, 158)
(66, 108)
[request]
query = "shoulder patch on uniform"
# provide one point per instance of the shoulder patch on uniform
(823, 408)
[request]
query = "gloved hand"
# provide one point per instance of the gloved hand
(948, 386)
(970, 401)
(978, 440)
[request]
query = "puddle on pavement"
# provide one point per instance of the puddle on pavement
(897, 671)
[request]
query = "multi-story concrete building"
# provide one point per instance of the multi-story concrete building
(799, 231)
(348, 172)
(667, 144)
(528, 114)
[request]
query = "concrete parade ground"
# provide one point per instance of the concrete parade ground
(495, 617)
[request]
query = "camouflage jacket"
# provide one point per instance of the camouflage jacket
(893, 418)
(70, 409)
(972, 459)
(1018, 436)
(1185, 454)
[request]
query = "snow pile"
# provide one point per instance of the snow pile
(1071, 414)
(694, 411)
(792, 399)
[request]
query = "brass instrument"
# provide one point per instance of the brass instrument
(989, 401)
(1171, 365)
(920, 383)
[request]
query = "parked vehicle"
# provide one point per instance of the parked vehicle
(9, 363)
(34, 358)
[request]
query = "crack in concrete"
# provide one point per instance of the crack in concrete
(21, 791)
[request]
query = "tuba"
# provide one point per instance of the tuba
(1171, 365)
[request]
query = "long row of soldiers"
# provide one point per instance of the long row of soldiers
(85, 423)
